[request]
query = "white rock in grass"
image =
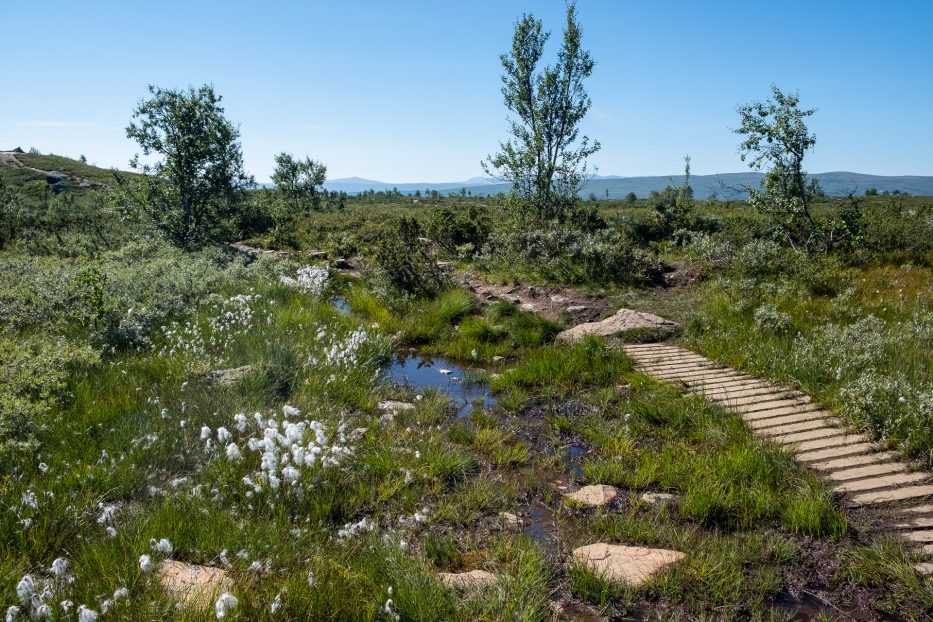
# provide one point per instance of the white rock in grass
(595, 496)
(472, 580)
(632, 565)
(190, 585)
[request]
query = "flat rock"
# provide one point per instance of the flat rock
(623, 321)
(594, 496)
(190, 585)
(510, 521)
(632, 565)
(229, 377)
(658, 498)
(472, 580)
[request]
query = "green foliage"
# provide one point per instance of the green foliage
(299, 181)
(545, 159)
(776, 136)
(460, 232)
(571, 255)
(404, 261)
(192, 194)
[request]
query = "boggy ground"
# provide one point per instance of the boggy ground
(320, 507)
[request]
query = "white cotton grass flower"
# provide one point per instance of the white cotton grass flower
(240, 420)
(43, 467)
(276, 604)
(30, 500)
(387, 608)
(11, 613)
(40, 610)
(224, 603)
(223, 435)
(25, 589)
(233, 452)
(86, 615)
(290, 411)
(145, 563)
(205, 433)
(59, 566)
(66, 605)
(162, 546)
(111, 533)
(106, 513)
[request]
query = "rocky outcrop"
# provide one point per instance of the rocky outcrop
(624, 320)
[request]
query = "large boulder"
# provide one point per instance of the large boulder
(624, 320)
(631, 565)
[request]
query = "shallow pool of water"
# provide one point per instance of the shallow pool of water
(341, 304)
(421, 371)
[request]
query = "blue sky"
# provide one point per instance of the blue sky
(408, 91)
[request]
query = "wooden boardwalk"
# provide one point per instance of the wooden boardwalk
(851, 463)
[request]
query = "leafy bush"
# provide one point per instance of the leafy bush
(404, 263)
(460, 232)
(572, 255)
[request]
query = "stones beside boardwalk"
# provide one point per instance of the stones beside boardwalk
(192, 586)
(595, 496)
(624, 320)
(631, 565)
(465, 581)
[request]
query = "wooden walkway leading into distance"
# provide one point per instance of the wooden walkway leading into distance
(851, 463)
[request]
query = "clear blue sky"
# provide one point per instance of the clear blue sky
(409, 90)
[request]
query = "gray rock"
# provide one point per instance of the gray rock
(623, 321)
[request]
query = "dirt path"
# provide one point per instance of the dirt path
(873, 484)
(8, 158)
(550, 302)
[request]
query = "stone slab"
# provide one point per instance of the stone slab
(632, 565)
(595, 496)
(920, 509)
(924, 568)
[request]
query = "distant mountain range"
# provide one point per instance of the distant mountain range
(723, 185)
